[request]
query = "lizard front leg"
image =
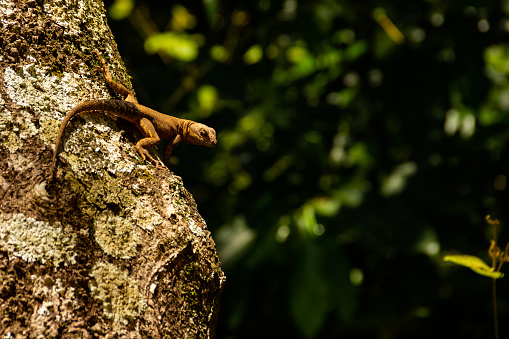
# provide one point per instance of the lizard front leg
(172, 143)
(151, 139)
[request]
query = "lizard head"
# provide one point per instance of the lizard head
(199, 134)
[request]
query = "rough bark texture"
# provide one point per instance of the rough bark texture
(113, 247)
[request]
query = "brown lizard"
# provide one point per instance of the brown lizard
(152, 124)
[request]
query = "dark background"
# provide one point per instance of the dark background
(357, 144)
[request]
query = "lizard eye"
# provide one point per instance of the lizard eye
(203, 133)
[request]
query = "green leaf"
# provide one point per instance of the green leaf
(207, 99)
(180, 46)
(356, 50)
(475, 264)
(395, 182)
(306, 220)
(121, 9)
(253, 55)
(310, 291)
(219, 53)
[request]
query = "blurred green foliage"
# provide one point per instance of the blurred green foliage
(357, 141)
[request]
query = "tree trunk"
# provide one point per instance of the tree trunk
(114, 247)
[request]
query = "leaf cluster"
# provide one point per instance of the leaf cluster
(354, 141)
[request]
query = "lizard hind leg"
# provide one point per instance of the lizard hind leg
(115, 86)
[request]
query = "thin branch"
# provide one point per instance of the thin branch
(495, 315)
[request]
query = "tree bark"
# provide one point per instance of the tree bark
(114, 247)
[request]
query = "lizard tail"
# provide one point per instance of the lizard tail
(92, 105)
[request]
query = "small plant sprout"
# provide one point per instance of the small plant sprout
(498, 258)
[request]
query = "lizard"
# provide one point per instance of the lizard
(153, 125)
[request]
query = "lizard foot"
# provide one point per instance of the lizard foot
(146, 156)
